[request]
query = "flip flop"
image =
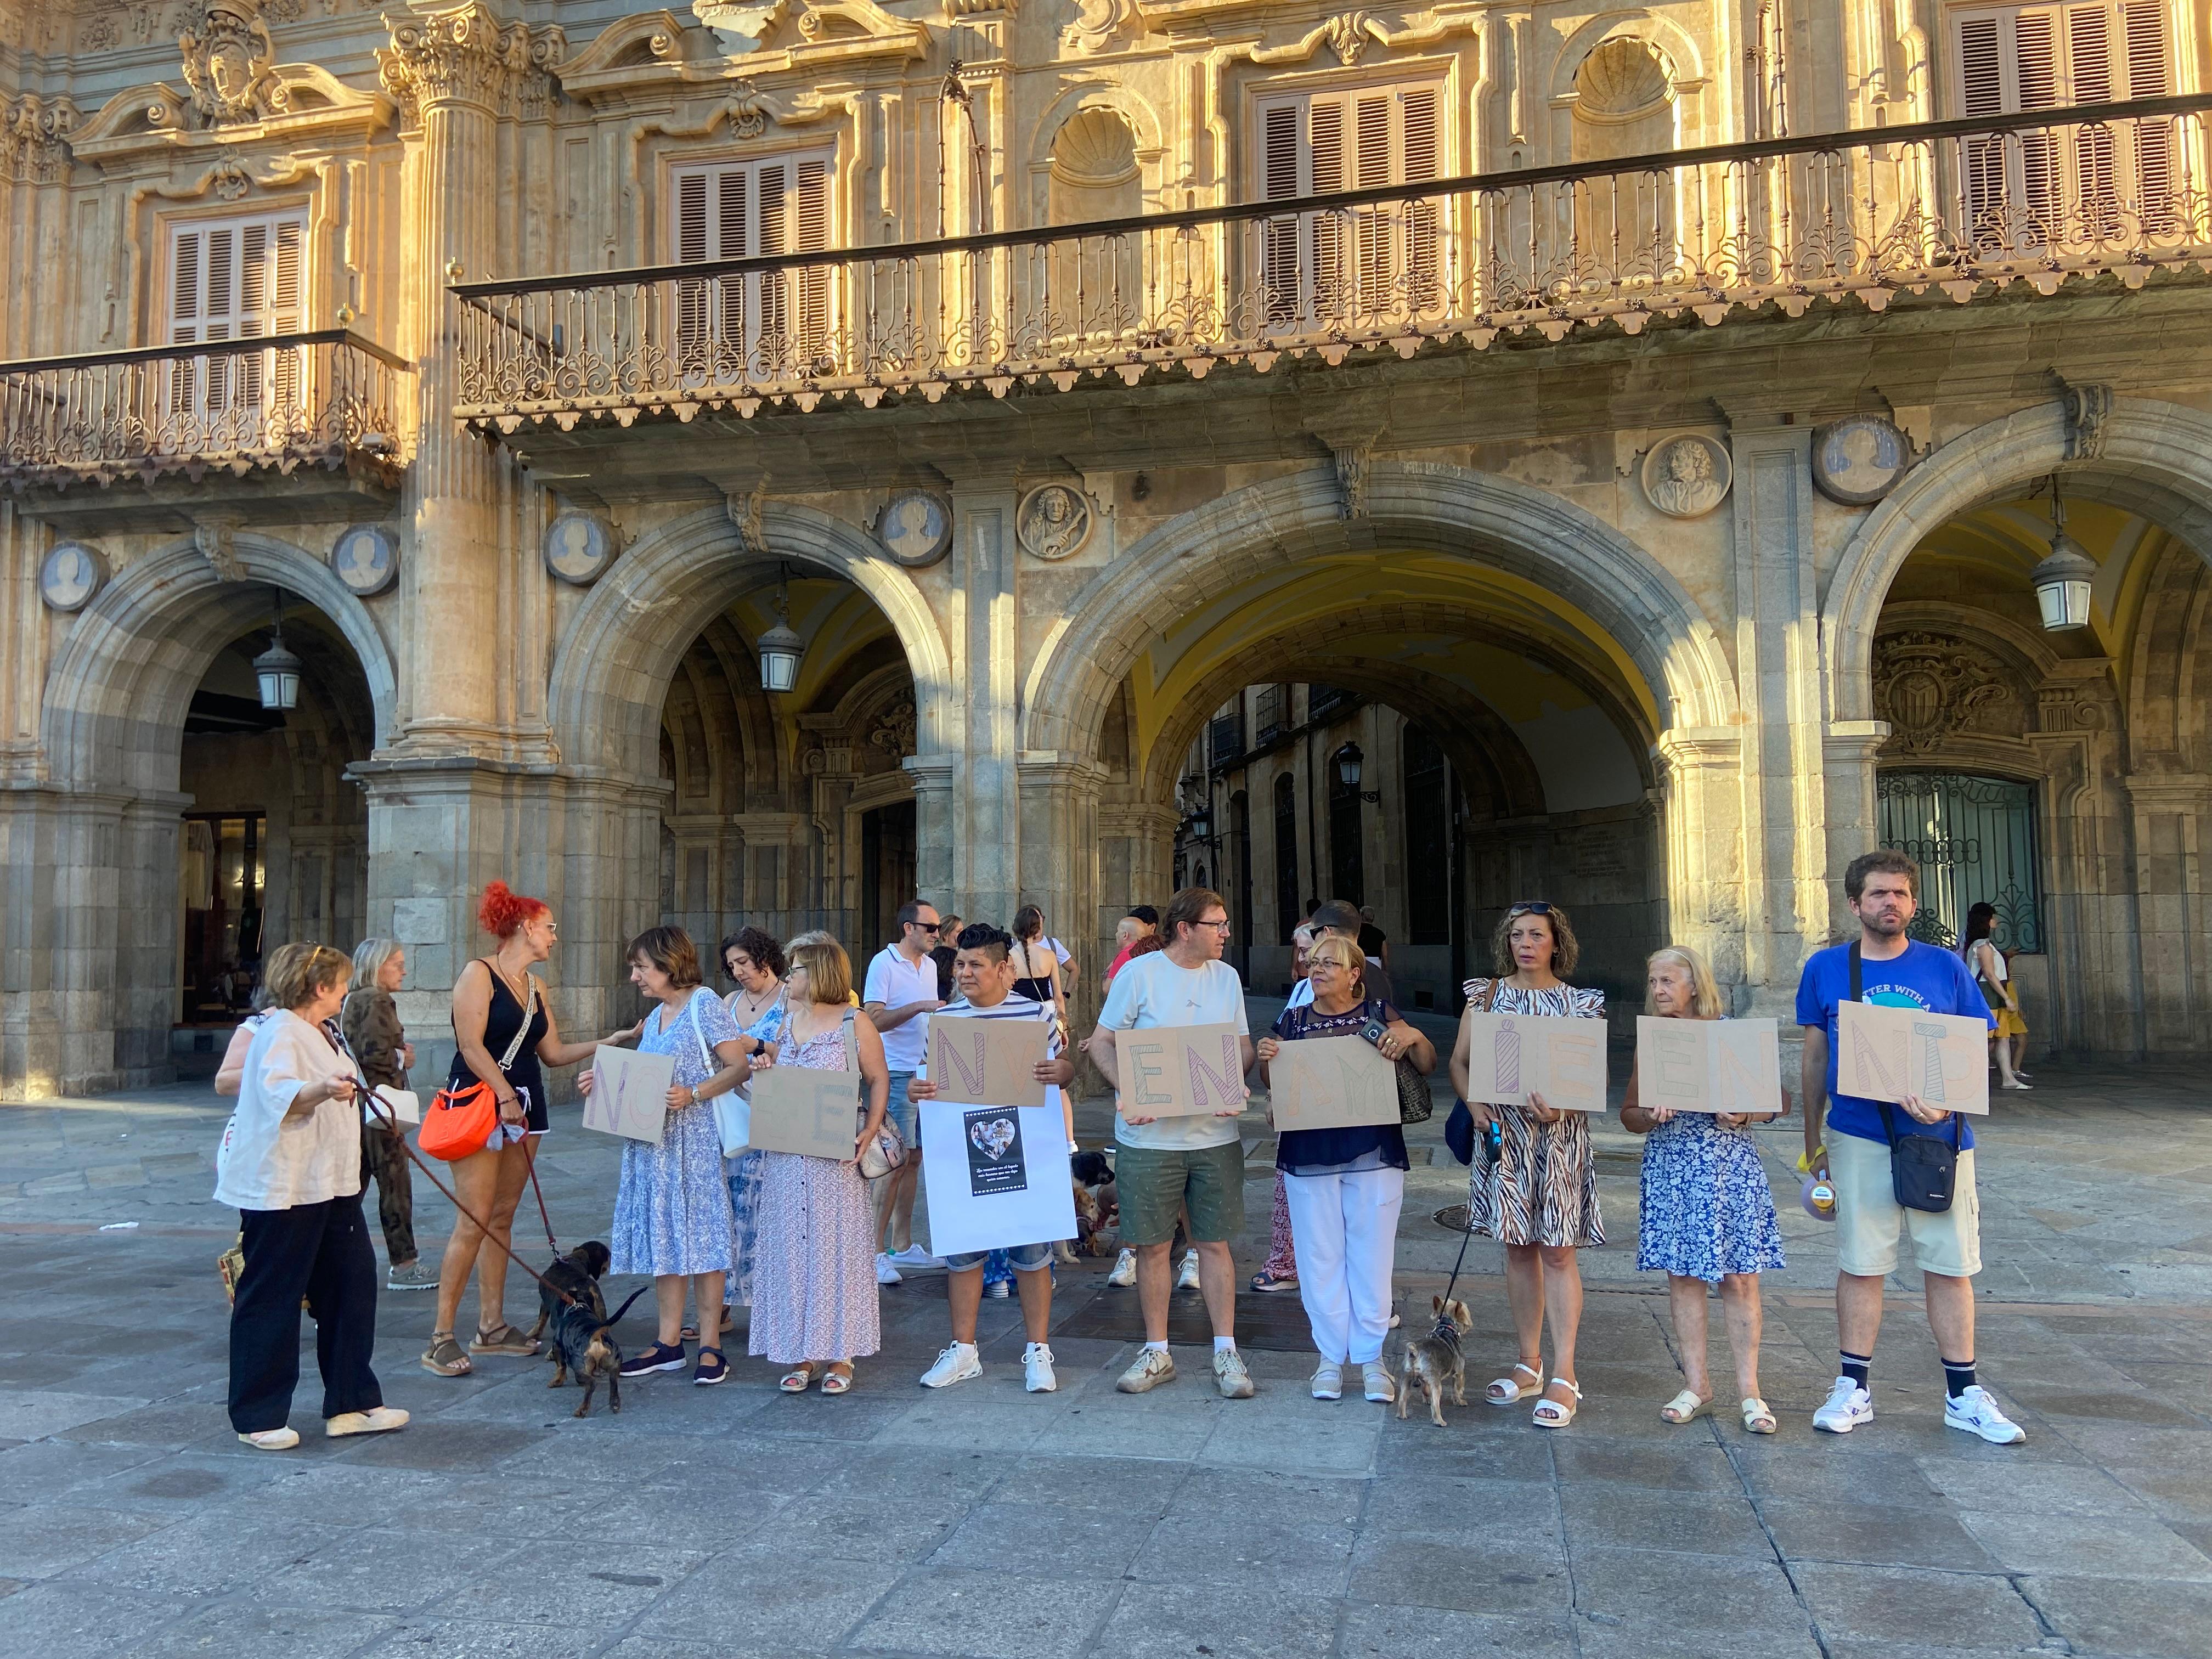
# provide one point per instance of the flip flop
(1684, 1407)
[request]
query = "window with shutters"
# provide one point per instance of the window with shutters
(771, 325)
(2088, 181)
(1365, 265)
(235, 279)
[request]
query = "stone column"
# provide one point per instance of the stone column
(1060, 859)
(1854, 825)
(1702, 790)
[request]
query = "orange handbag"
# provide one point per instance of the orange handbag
(460, 1122)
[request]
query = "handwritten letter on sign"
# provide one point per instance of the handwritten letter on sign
(814, 1113)
(1511, 1056)
(1331, 1083)
(1886, 1054)
(987, 1062)
(1180, 1071)
(629, 1094)
(1732, 1066)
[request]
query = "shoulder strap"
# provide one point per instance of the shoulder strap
(529, 1015)
(1489, 997)
(1858, 975)
(852, 1047)
(692, 1012)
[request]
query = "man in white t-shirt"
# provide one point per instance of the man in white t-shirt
(984, 971)
(900, 994)
(1162, 1164)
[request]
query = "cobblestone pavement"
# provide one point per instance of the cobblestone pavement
(986, 1521)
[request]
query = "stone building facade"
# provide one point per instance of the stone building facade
(1542, 376)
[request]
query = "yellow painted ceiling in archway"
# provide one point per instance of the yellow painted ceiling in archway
(1997, 547)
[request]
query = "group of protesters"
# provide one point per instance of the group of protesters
(805, 1243)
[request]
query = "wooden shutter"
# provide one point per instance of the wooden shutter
(1281, 146)
(1422, 161)
(2089, 71)
(235, 280)
(1326, 173)
(812, 211)
(741, 210)
(2148, 75)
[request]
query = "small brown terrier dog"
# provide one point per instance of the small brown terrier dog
(1435, 1359)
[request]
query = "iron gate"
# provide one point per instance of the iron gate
(1974, 840)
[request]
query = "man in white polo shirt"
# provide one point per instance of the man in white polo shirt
(1163, 1164)
(900, 991)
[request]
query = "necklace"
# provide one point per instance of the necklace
(520, 992)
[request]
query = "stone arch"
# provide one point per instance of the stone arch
(616, 658)
(2150, 457)
(1430, 506)
(116, 696)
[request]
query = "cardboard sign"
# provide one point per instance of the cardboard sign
(814, 1113)
(994, 1176)
(987, 1063)
(1180, 1071)
(1331, 1083)
(1512, 1056)
(1732, 1066)
(1886, 1054)
(629, 1094)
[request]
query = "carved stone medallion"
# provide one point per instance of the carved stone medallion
(1858, 459)
(71, 573)
(915, 528)
(1930, 686)
(366, 558)
(228, 60)
(1686, 476)
(578, 548)
(1052, 522)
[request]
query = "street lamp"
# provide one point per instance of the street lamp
(780, 648)
(2062, 580)
(278, 669)
(1349, 762)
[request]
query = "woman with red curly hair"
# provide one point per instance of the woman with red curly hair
(505, 1031)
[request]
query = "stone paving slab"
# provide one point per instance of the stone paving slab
(984, 1520)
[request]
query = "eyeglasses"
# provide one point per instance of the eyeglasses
(1534, 908)
(926, 926)
(1220, 926)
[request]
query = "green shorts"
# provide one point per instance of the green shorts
(1153, 1183)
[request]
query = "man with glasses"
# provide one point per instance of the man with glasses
(1340, 919)
(900, 990)
(1165, 1165)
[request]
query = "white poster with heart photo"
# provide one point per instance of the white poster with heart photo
(995, 1176)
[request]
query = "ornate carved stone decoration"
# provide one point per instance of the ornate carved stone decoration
(893, 730)
(216, 539)
(34, 138)
(71, 573)
(1353, 464)
(745, 518)
(1346, 34)
(1687, 476)
(578, 548)
(1053, 521)
(1858, 459)
(1095, 26)
(915, 528)
(469, 55)
(228, 179)
(2087, 408)
(230, 63)
(1930, 687)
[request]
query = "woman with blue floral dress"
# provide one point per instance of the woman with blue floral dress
(761, 1010)
(672, 1209)
(1707, 1209)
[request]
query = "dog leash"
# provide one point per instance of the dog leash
(550, 1242)
(1466, 1237)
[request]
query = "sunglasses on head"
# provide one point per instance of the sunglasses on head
(1534, 908)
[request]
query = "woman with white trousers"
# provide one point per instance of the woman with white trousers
(1345, 1187)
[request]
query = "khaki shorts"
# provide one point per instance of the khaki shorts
(1869, 1217)
(1154, 1183)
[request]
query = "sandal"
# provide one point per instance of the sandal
(839, 1379)
(445, 1357)
(1504, 1391)
(502, 1338)
(1757, 1419)
(1264, 1282)
(1555, 1415)
(1684, 1407)
(796, 1380)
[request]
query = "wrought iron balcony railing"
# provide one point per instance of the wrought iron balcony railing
(273, 403)
(2115, 189)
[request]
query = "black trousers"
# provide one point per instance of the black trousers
(321, 1252)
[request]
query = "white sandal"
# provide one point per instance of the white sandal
(1757, 1419)
(1684, 1407)
(1559, 1415)
(1504, 1391)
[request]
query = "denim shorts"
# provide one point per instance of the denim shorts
(903, 1115)
(1026, 1259)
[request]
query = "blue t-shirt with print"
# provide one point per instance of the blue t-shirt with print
(1925, 977)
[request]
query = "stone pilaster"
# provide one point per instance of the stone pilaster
(970, 816)
(1059, 857)
(1702, 792)
(1854, 825)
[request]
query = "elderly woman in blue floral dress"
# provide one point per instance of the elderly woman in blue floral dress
(1707, 1208)
(672, 1209)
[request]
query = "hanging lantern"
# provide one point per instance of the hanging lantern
(2062, 580)
(1348, 761)
(780, 648)
(278, 669)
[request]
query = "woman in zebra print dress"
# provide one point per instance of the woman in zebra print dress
(1538, 1194)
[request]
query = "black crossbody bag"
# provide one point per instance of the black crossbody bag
(1923, 1171)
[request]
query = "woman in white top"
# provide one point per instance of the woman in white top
(1986, 962)
(290, 1164)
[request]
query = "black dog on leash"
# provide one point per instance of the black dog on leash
(584, 1342)
(575, 1276)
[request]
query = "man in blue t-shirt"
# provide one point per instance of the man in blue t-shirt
(1882, 887)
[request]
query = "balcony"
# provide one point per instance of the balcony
(310, 415)
(1224, 739)
(1954, 208)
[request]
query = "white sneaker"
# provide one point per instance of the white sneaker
(272, 1439)
(1125, 1271)
(1377, 1379)
(999, 1289)
(1976, 1412)
(378, 1419)
(1328, 1382)
(1230, 1375)
(958, 1363)
(885, 1273)
(1847, 1406)
(915, 1256)
(1187, 1275)
(1152, 1367)
(1037, 1368)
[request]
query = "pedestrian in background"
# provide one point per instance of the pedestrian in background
(370, 1020)
(900, 993)
(1706, 1216)
(948, 930)
(290, 1164)
(2008, 1042)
